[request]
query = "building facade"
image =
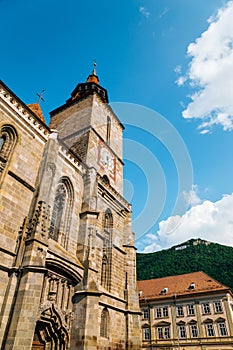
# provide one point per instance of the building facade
(190, 311)
(67, 255)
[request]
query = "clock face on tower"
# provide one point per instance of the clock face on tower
(106, 160)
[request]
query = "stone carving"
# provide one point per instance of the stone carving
(39, 224)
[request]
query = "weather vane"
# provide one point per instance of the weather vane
(40, 96)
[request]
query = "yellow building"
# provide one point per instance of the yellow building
(190, 311)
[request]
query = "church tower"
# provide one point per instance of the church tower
(106, 308)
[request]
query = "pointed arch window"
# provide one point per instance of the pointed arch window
(104, 272)
(108, 220)
(107, 255)
(2, 140)
(61, 214)
(104, 323)
(8, 139)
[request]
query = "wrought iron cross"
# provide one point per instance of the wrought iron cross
(40, 96)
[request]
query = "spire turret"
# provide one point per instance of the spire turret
(93, 78)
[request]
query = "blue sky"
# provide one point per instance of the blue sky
(172, 58)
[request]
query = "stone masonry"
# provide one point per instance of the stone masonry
(67, 255)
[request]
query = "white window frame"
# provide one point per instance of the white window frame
(165, 313)
(206, 308)
(180, 310)
(221, 327)
(189, 308)
(193, 331)
(218, 307)
(182, 331)
(146, 312)
(163, 332)
(158, 312)
(160, 332)
(167, 334)
(210, 329)
(146, 333)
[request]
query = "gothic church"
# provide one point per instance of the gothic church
(67, 255)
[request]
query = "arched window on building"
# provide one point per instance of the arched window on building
(8, 139)
(104, 271)
(107, 252)
(104, 323)
(108, 224)
(61, 214)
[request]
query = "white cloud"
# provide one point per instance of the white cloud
(210, 73)
(181, 80)
(144, 11)
(151, 243)
(205, 131)
(191, 197)
(211, 221)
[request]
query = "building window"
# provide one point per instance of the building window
(180, 311)
(165, 311)
(163, 332)
(158, 312)
(107, 242)
(160, 332)
(194, 331)
(146, 333)
(206, 308)
(210, 330)
(167, 332)
(104, 272)
(108, 225)
(222, 329)
(62, 211)
(218, 306)
(182, 331)
(108, 130)
(190, 309)
(2, 140)
(8, 139)
(104, 323)
(145, 313)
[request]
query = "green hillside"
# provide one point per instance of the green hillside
(194, 255)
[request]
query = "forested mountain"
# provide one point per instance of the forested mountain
(194, 255)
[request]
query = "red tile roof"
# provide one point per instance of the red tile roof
(35, 108)
(179, 285)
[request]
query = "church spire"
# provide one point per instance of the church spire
(93, 78)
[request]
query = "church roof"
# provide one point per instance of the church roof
(35, 107)
(83, 90)
(181, 285)
(91, 85)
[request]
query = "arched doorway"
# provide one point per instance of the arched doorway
(50, 332)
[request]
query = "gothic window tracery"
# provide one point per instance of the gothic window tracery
(108, 225)
(104, 323)
(104, 271)
(61, 214)
(8, 139)
(107, 242)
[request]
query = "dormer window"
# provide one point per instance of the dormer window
(164, 290)
(192, 286)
